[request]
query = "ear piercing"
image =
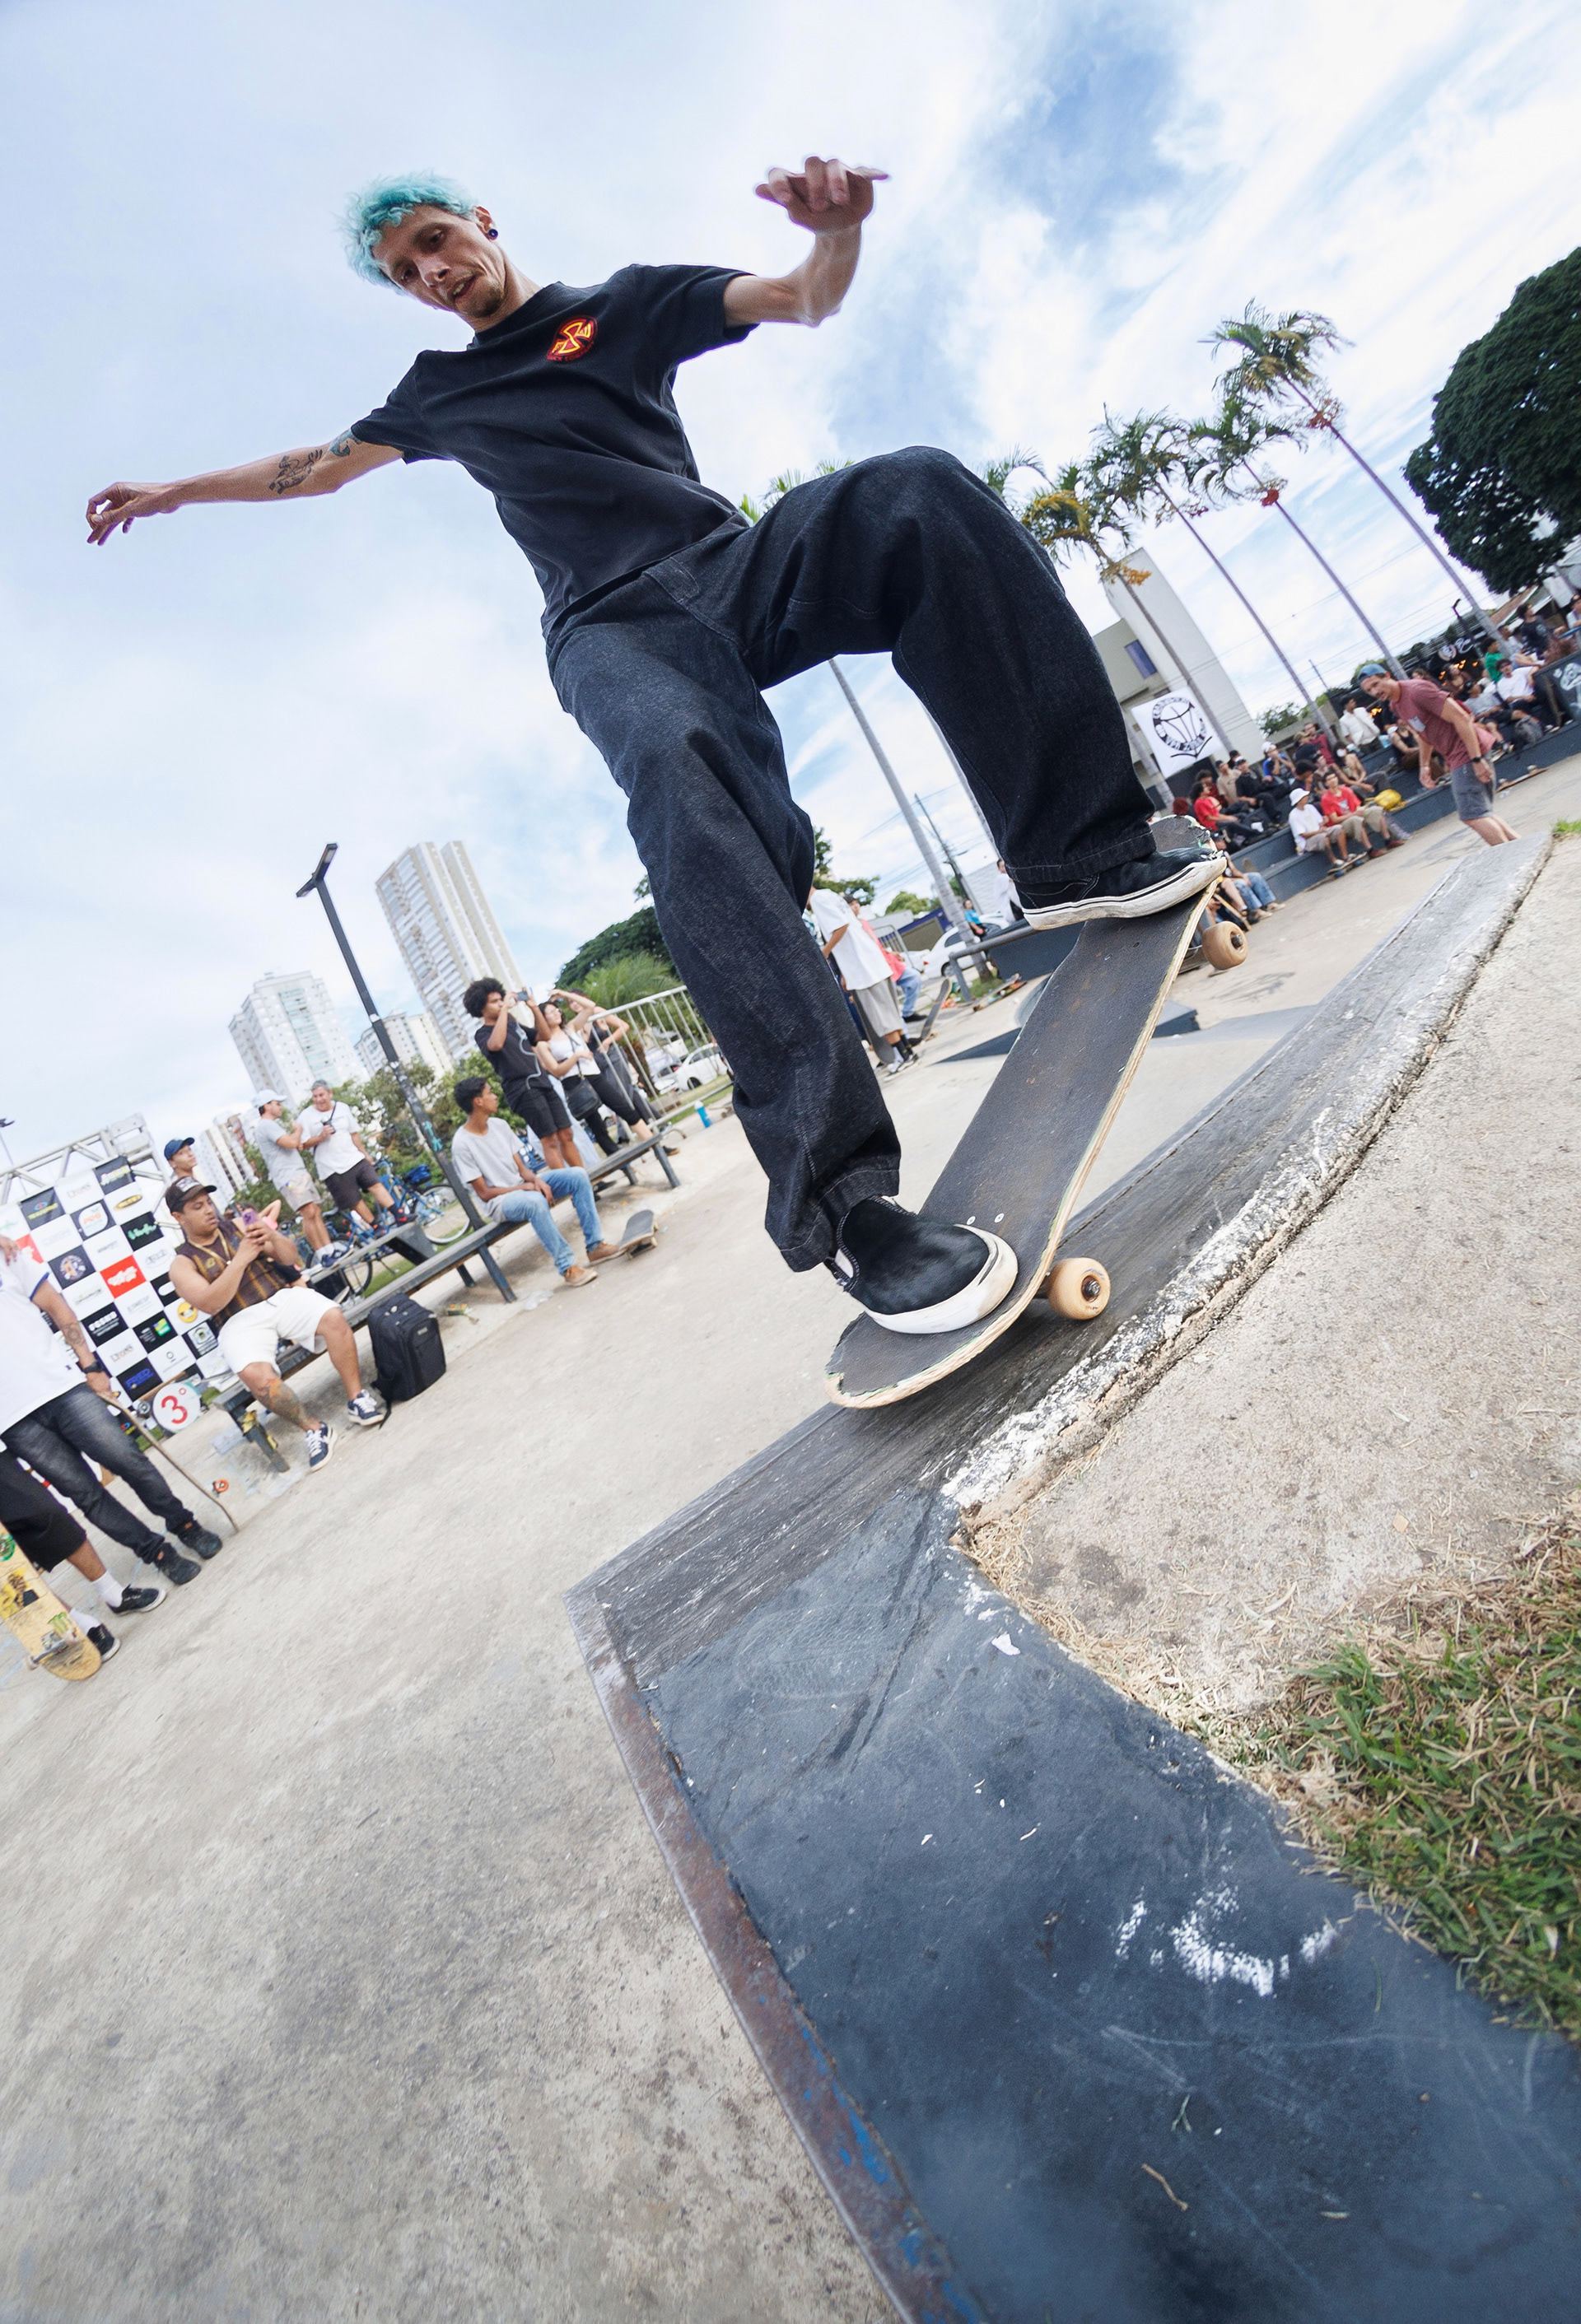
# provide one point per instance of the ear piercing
(493, 232)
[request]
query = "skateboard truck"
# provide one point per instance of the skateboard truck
(1078, 1288)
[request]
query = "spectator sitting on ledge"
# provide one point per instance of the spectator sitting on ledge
(1340, 807)
(488, 1157)
(1311, 833)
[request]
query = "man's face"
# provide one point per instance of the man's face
(491, 1007)
(183, 1163)
(199, 1218)
(323, 1099)
(447, 261)
(488, 1101)
(272, 1111)
(1379, 689)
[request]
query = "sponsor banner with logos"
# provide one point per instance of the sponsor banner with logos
(107, 1246)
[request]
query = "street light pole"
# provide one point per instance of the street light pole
(318, 885)
(947, 897)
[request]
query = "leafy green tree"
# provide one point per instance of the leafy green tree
(633, 976)
(863, 885)
(1499, 471)
(1274, 722)
(620, 941)
(903, 901)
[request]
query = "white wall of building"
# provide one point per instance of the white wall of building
(1183, 654)
(417, 1039)
(446, 932)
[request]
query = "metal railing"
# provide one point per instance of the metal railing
(662, 1031)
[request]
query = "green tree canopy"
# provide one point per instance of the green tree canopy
(904, 902)
(1500, 470)
(620, 941)
(863, 885)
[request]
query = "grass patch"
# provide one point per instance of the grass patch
(1440, 1769)
(1566, 830)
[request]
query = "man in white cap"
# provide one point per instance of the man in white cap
(280, 1142)
(1311, 833)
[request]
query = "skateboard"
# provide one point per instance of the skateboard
(1029, 1147)
(31, 1612)
(640, 1234)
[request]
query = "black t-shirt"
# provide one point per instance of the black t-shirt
(565, 413)
(516, 1058)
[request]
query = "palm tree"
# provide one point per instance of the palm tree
(1231, 441)
(1136, 463)
(1072, 511)
(1276, 367)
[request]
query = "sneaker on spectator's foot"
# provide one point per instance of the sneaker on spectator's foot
(577, 1276)
(598, 1251)
(197, 1538)
(168, 1559)
(321, 1444)
(136, 1599)
(105, 1640)
(363, 1409)
(1126, 891)
(918, 1275)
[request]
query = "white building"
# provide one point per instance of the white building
(1159, 623)
(417, 1039)
(288, 1036)
(446, 932)
(221, 1155)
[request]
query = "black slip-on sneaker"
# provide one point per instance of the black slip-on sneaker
(918, 1275)
(105, 1640)
(1127, 891)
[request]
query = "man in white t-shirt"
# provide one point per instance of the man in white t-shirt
(866, 971)
(490, 1159)
(329, 1134)
(1356, 727)
(1311, 833)
(280, 1142)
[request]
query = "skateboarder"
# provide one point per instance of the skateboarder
(666, 613)
(1440, 724)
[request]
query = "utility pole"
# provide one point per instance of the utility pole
(952, 910)
(954, 863)
(966, 786)
(318, 885)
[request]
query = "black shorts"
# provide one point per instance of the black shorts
(347, 1186)
(540, 1105)
(42, 1530)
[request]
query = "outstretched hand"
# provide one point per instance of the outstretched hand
(118, 506)
(825, 197)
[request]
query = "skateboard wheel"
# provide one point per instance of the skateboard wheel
(1223, 944)
(1079, 1288)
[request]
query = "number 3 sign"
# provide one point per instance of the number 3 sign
(175, 1405)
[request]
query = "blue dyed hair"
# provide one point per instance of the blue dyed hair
(370, 214)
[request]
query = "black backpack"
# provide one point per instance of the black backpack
(407, 1348)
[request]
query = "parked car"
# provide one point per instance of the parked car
(695, 1070)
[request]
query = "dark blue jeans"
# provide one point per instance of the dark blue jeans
(53, 1439)
(910, 554)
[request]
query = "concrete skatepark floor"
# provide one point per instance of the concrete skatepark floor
(346, 1980)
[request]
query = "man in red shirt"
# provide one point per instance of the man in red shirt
(1440, 724)
(1339, 806)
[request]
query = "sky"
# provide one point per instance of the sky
(1078, 195)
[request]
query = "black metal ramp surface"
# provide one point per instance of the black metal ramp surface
(1070, 2027)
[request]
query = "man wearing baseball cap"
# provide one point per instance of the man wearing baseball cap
(281, 1144)
(180, 1157)
(244, 1276)
(1440, 724)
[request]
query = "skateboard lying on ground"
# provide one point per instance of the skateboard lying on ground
(1019, 1166)
(31, 1612)
(640, 1234)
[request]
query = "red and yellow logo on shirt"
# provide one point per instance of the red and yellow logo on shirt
(574, 340)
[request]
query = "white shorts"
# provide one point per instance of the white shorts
(253, 1336)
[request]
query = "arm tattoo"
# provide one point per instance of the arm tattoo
(295, 468)
(76, 1339)
(342, 446)
(283, 1403)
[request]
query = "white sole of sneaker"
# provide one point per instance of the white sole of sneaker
(979, 1297)
(326, 1456)
(1190, 881)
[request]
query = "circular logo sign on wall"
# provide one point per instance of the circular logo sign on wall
(175, 1405)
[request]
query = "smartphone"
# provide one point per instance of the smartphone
(249, 1218)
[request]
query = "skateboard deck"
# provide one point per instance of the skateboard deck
(640, 1233)
(46, 1629)
(1021, 1165)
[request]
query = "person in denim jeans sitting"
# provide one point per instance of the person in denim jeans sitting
(494, 1166)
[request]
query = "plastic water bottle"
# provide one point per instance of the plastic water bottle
(703, 1116)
